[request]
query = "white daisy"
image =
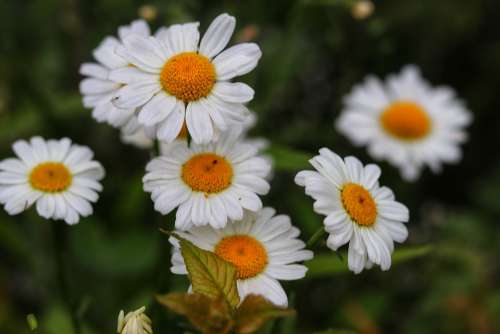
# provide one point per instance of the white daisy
(406, 121)
(208, 183)
(98, 89)
(60, 177)
(175, 80)
(357, 209)
(264, 249)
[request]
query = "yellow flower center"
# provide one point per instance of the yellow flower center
(359, 204)
(406, 120)
(207, 172)
(246, 253)
(50, 177)
(188, 76)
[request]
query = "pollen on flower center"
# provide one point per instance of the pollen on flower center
(406, 120)
(359, 204)
(188, 76)
(50, 177)
(245, 252)
(207, 172)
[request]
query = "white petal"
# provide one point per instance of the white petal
(97, 86)
(46, 206)
(13, 165)
(157, 109)
(286, 272)
(129, 74)
(135, 94)
(393, 210)
(199, 123)
(172, 125)
(354, 169)
(180, 38)
(237, 60)
(94, 70)
(217, 35)
(145, 52)
(24, 151)
(370, 176)
(233, 92)
(340, 236)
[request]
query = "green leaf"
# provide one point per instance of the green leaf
(287, 159)
(205, 314)
(209, 274)
(254, 311)
(330, 264)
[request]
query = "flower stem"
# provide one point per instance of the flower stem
(59, 240)
(315, 237)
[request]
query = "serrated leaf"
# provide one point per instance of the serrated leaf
(330, 263)
(209, 274)
(210, 316)
(254, 311)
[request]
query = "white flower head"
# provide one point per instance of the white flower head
(135, 322)
(406, 121)
(263, 247)
(60, 177)
(177, 78)
(209, 183)
(98, 89)
(358, 211)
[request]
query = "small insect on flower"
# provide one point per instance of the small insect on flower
(135, 322)
(406, 121)
(60, 177)
(98, 89)
(175, 78)
(358, 211)
(208, 183)
(263, 247)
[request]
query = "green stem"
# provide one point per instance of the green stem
(60, 252)
(315, 237)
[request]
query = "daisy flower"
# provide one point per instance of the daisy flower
(209, 183)
(60, 177)
(175, 79)
(98, 89)
(406, 121)
(263, 247)
(358, 211)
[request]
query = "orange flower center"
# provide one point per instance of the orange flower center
(50, 177)
(188, 76)
(207, 172)
(245, 252)
(359, 204)
(406, 120)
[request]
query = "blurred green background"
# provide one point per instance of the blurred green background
(314, 51)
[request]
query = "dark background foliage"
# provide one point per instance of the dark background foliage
(314, 51)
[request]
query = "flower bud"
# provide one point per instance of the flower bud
(136, 322)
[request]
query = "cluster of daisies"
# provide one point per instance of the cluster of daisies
(175, 88)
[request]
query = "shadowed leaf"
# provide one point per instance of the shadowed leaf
(210, 316)
(254, 311)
